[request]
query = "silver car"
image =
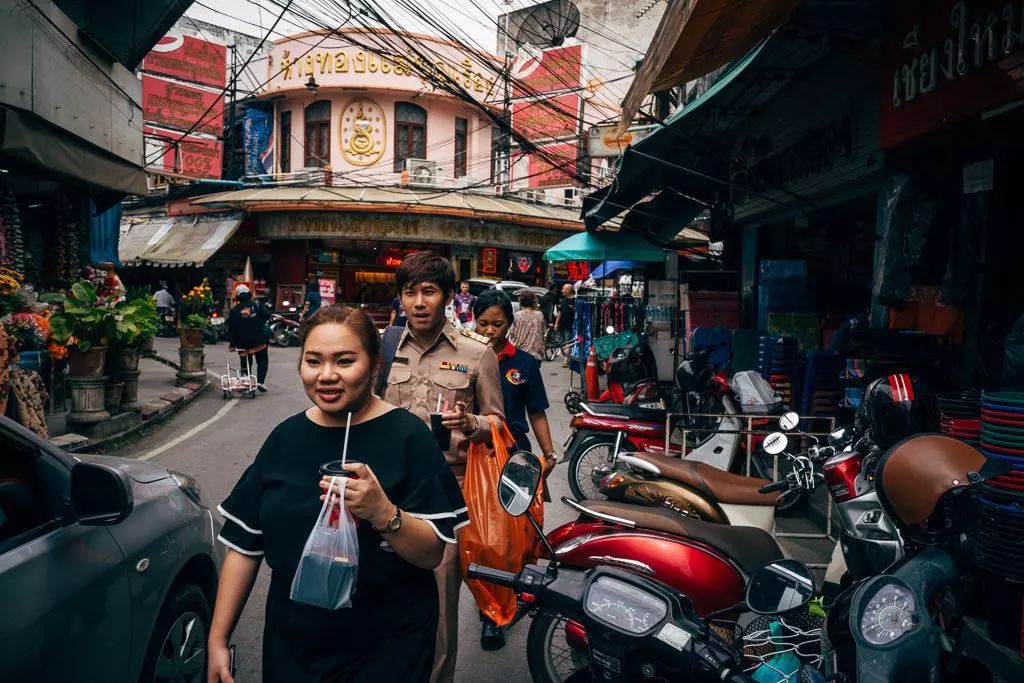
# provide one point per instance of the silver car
(108, 567)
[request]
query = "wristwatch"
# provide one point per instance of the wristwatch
(393, 524)
(552, 456)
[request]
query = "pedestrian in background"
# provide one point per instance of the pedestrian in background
(565, 319)
(247, 334)
(432, 359)
(406, 500)
(527, 331)
(398, 318)
(164, 299)
(312, 301)
(549, 302)
(464, 304)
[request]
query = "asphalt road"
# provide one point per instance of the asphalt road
(215, 439)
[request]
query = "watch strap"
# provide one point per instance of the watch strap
(393, 524)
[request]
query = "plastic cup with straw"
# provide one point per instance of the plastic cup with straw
(442, 435)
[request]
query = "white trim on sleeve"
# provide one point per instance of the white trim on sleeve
(250, 553)
(438, 515)
(446, 539)
(236, 520)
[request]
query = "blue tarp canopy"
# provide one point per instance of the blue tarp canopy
(608, 267)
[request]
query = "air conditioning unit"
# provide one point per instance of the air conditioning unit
(422, 172)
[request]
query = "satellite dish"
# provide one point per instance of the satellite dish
(549, 24)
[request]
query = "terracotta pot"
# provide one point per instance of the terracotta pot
(128, 360)
(190, 338)
(91, 363)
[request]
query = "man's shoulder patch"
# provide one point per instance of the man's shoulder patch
(474, 336)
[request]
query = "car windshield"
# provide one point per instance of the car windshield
(478, 288)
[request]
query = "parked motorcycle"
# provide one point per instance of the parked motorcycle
(284, 331)
(632, 378)
(166, 324)
(631, 597)
(704, 395)
(217, 330)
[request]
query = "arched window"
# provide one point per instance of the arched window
(410, 133)
(318, 134)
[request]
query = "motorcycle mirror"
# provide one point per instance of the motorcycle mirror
(780, 586)
(520, 479)
(775, 443)
(292, 309)
(610, 329)
(789, 421)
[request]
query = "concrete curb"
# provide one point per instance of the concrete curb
(160, 415)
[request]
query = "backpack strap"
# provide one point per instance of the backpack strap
(388, 349)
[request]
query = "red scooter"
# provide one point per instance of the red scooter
(711, 563)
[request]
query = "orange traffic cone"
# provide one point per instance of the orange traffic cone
(593, 382)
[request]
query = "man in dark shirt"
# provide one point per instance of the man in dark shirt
(565, 319)
(311, 304)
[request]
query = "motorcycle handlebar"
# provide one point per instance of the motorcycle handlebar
(496, 576)
(775, 486)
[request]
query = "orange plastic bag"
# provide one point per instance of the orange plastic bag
(493, 538)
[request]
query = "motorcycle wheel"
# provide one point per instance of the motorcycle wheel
(281, 337)
(591, 452)
(550, 657)
(550, 352)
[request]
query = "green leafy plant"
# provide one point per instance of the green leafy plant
(135, 321)
(196, 322)
(84, 319)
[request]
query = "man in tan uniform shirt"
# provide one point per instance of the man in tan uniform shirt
(436, 359)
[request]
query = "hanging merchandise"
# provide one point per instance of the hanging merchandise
(69, 242)
(14, 241)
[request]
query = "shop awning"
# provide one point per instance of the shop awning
(174, 240)
(696, 37)
(667, 157)
(417, 200)
(601, 246)
(31, 140)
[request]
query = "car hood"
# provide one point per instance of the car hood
(137, 470)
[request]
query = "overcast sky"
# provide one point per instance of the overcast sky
(254, 17)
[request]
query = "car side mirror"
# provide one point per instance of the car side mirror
(101, 495)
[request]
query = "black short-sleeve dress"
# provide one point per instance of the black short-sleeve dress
(388, 632)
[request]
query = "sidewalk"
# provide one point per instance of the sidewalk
(159, 395)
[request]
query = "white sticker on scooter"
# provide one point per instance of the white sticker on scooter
(674, 636)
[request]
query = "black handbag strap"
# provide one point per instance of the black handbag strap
(388, 349)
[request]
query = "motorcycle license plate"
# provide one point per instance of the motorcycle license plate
(565, 444)
(217, 321)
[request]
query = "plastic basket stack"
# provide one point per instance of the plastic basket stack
(821, 390)
(1000, 547)
(777, 362)
(960, 416)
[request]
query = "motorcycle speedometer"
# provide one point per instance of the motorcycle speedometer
(624, 605)
(891, 613)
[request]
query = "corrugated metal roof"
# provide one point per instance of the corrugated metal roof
(174, 240)
(428, 200)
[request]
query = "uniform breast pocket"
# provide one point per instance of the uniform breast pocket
(399, 386)
(453, 386)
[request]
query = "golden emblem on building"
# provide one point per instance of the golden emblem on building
(363, 132)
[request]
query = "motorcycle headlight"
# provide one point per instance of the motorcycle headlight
(890, 613)
(624, 605)
(188, 485)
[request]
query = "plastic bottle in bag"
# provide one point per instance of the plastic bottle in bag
(329, 565)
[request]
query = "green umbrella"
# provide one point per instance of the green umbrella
(602, 246)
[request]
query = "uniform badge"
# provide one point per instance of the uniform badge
(513, 376)
(452, 365)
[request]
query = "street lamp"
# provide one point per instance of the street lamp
(312, 86)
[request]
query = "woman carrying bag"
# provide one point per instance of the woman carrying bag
(405, 500)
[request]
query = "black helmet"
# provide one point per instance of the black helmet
(896, 407)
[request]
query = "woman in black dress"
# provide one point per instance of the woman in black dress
(406, 502)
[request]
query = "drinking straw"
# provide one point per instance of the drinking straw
(344, 448)
(438, 403)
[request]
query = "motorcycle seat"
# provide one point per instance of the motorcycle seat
(624, 412)
(748, 547)
(725, 487)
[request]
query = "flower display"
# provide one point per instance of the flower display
(29, 331)
(197, 304)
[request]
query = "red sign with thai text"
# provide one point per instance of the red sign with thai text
(551, 117)
(191, 157)
(555, 69)
(181, 106)
(189, 59)
(554, 168)
(578, 270)
(946, 60)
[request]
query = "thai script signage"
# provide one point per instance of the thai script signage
(944, 61)
(551, 117)
(180, 106)
(189, 59)
(556, 167)
(192, 156)
(551, 70)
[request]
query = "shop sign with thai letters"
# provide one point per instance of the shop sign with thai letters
(944, 61)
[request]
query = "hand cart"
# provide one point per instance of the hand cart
(235, 383)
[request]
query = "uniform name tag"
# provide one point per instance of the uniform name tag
(452, 365)
(400, 360)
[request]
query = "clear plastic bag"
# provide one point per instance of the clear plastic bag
(329, 565)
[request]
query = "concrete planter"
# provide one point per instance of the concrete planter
(128, 360)
(193, 366)
(112, 395)
(130, 395)
(91, 363)
(88, 405)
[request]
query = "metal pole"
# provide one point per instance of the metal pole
(231, 114)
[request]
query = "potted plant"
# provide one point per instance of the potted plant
(135, 321)
(85, 323)
(30, 333)
(195, 309)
